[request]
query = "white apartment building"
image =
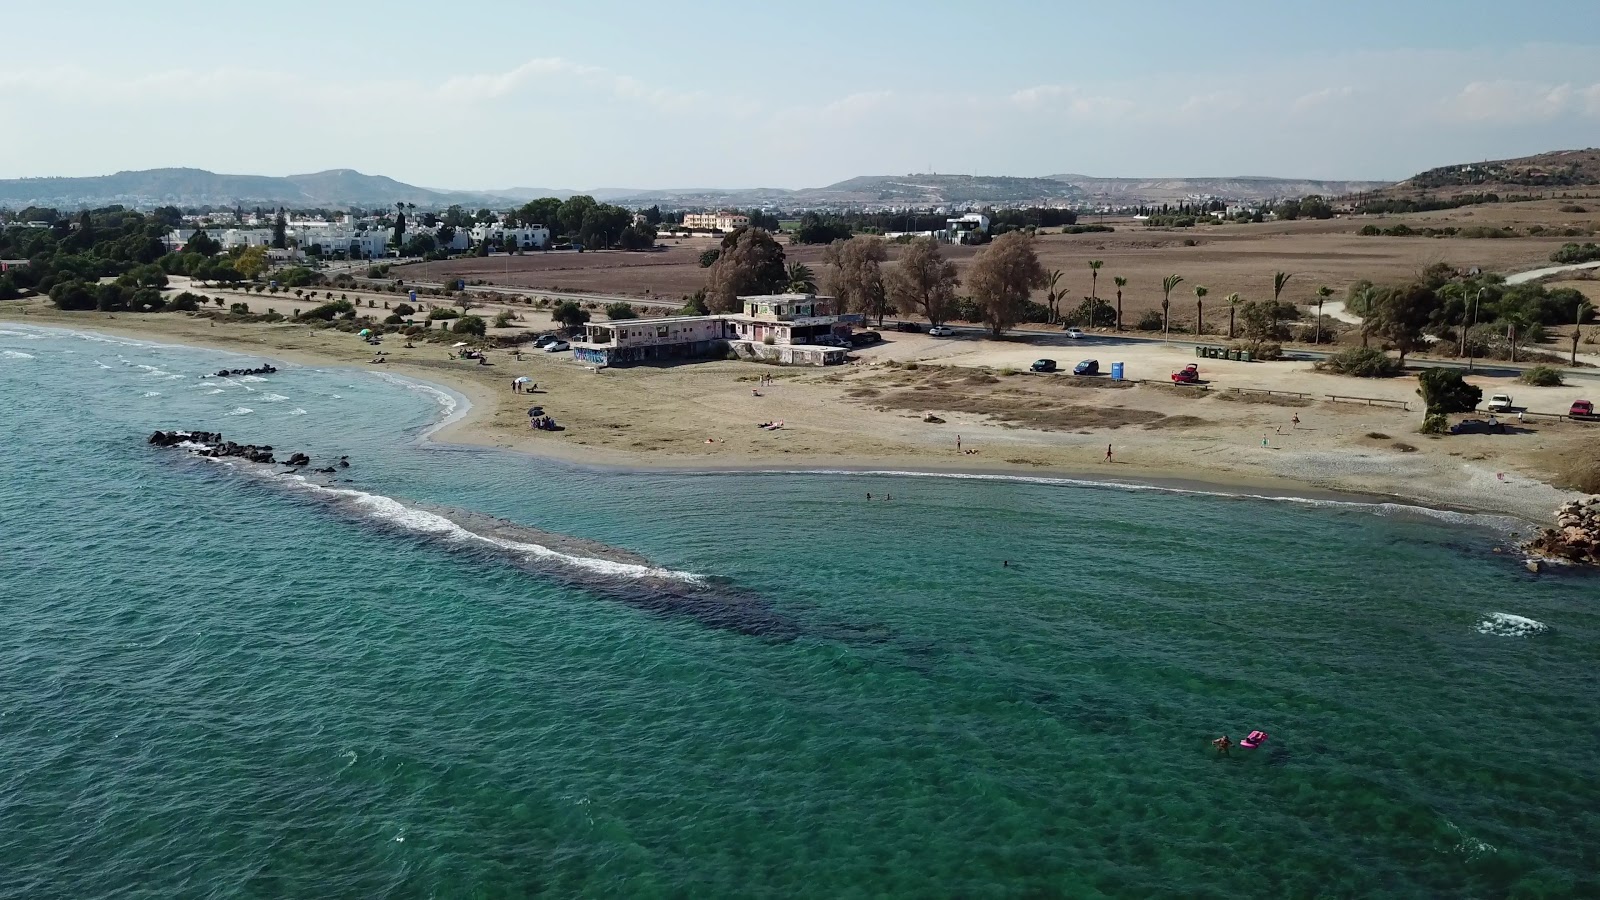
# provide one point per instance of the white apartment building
(532, 237)
(716, 221)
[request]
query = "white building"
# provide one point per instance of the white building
(532, 237)
(968, 229)
(716, 221)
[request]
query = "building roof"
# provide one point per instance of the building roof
(792, 298)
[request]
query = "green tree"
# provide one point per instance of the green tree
(202, 243)
(569, 313)
(1279, 280)
(251, 262)
(816, 229)
(570, 214)
(709, 257)
(1004, 274)
(923, 281)
(617, 311)
(1120, 283)
(1052, 297)
(72, 295)
(280, 231)
(1233, 310)
(1323, 293)
(1403, 315)
(801, 279)
(856, 274)
(469, 325)
(399, 238)
(1167, 284)
(1445, 391)
(751, 263)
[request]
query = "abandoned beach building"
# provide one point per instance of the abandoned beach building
(792, 329)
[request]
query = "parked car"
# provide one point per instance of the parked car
(913, 327)
(941, 331)
(1479, 426)
(1074, 332)
(1581, 409)
(865, 338)
(1189, 374)
(1043, 365)
(832, 340)
(1500, 403)
(557, 346)
(544, 340)
(1087, 367)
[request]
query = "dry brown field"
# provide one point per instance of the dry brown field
(1223, 258)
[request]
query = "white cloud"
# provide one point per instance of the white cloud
(1507, 102)
(1325, 97)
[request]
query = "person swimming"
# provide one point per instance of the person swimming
(1223, 744)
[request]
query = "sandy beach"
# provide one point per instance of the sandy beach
(872, 415)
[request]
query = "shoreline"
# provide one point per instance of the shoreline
(476, 422)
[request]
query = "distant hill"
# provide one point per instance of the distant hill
(198, 187)
(1240, 187)
(1560, 168)
(942, 189)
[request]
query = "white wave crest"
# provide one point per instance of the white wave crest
(151, 394)
(16, 354)
(297, 411)
(214, 391)
(101, 364)
(1507, 625)
(251, 378)
(273, 398)
(423, 522)
(25, 335)
(240, 411)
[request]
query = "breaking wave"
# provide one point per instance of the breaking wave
(1502, 624)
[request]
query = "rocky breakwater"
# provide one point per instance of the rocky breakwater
(267, 369)
(1576, 537)
(211, 443)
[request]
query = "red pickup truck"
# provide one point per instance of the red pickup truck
(1581, 409)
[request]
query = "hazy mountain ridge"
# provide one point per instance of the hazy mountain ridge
(1558, 168)
(1238, 187)
(198, 187)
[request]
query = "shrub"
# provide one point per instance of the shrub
(469, 325)
(184, 302)
(709, 258)
(1150, 320)
(1361, 362)
(621, 311)
(440, 312)
(1267, 350)
(503, 320)
(1542, 376)
(1435, 423)
(327, 311)
(404, 310)
(769, 340)
(1572, 208)
(239, 309)
(393, 319)
(72, 295)
(1445, 391)
(911, 367)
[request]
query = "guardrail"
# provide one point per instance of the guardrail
(1560, 417)
(1298, 395)
(1371, 401)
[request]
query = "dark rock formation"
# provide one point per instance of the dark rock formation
(267, 369)
(1576, 537)
(211, 443)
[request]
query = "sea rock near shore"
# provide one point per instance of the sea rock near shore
(1576, 537)
(211, 443)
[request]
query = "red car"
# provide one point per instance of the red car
(1581, 409)
(1189, 375)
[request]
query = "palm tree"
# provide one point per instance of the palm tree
(1051, 279)
(1094, 278)
(1279, 279)
(1323, 293)
(1200, 293)
(1121, 283)
(1167, 284)
(1233, 310)
(801, 279)
(1577, 329)
(1368, 297)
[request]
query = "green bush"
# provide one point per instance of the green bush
(394, 319)
(503, 320)
(621, 311)
(239, 309)
(469, 325)
(439, 312)
(1542, 376)
(1361, 362)
(1149, 320)
(327, 311)
(404, 310)
(1435, 423)
(184, 302)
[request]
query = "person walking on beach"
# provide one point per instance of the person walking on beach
(1295, 420)
(958, 443)
(1108, 453)
(1222, 744)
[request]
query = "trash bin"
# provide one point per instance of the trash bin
(1245, 355)
(1199, 351)
(1235, 355)
(1116, 371)
(1213, 352)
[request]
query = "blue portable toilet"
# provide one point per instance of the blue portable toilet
(1116, 371)
(413, 296)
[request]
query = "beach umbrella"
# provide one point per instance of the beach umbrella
(459, 344)
(522, 379)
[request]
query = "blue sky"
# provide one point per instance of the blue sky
(738, 94)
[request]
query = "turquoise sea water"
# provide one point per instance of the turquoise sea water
(214, 685)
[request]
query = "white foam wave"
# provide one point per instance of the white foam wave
(1502, 624)
(251, 378)
(16, 354)
(214, 391)
(240, 411)
(101, 364)
(452, 406)
(273, 398)
(151, 394)
(423, 522)
(1379, 507)
(25, 335)
(297, 412)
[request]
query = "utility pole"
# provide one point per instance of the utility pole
(1466, 346)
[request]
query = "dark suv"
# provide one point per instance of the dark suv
(908, 326)
(1043, 365)
(863, 338)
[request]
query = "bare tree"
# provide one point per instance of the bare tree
(1004, 274)
(924, 281)
(856, 276)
